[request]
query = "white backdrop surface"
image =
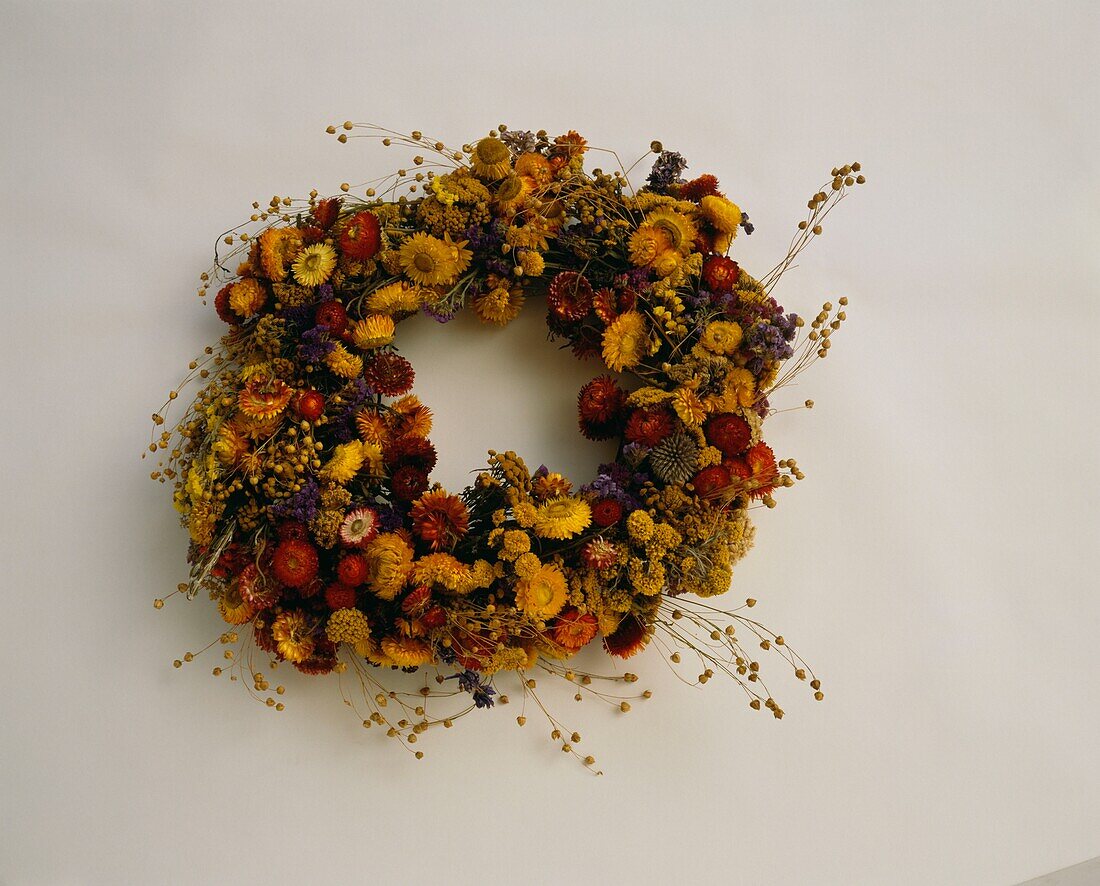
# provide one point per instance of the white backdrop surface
(936, 567)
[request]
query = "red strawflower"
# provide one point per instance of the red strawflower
(417, 600)
(361, 237)
(434, 618)
(326, 212)
(339, 596)
(410, 450)
(648, 426)
(599, 553)
(295, 563)
(606, 512)
(221, 305)
(312, 234)
(720, 273)
(256, 590)
(390, 375)
(728, 432)
(569, 296)
(711, 480)
(704, 186)
(630, 637)
(601, 404)
(310, 405)
(440, 519)
(409, 483)
(738, 468)
(231, 561)
(573, 629)
(332, 315)
(761, 460)
(352, 570)
(608, 303)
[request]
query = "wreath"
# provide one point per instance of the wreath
(302, 467)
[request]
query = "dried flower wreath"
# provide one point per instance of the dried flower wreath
(302, 467)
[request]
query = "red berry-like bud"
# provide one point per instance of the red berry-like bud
(332, 315)
(311, 405)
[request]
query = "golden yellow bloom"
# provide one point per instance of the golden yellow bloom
(442, 569)
(234, 609)
(740, 384)
(246, 297)
(543, 594)
(373, 331)
(640, 525)
(667, 262)
(345, 462)
(499, 306)
(625, 341)
(389, 561)
(292, 637)
(396, 298)
(511, 193)
(491, 159)
(646, 243)
(723, 214)
(514, 543)
(411, 417)
(408, 652)
(679, 228)
(535, 168)
(533, 234)
(721, 337)
(531, 262)
(347, 626)
(231, 445)
(428, 261)
(372, 427)
(562, 518)
(460, 255)
(689, 407)
(278, 247)
(527, 565)
(344, 363)
(314, 264)
(525, 514)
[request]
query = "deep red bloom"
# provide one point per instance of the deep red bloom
(361, 237)
(569, 296)
(352, 570)
(705, 185)
(601, 404)
(221, 305)
(721, 273)
(256, 590)
(417, 600)
(310, 405)
(410, 450)
(409, 483)
(606, 512)
(339, 596)
(648, 426)
(390, 375)
(332, 315)
(738, 468)
(326, 212)
(323, 659)
(434, 617)
(710, 480)
(312, 234)
(608, 303)
(295, 562)
(629, 638)
(728, 432)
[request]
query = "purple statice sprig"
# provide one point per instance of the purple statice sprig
(301, 506)
(470, 681)
(316, 345)
(667, 171)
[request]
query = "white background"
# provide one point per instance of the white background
(935, 566)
